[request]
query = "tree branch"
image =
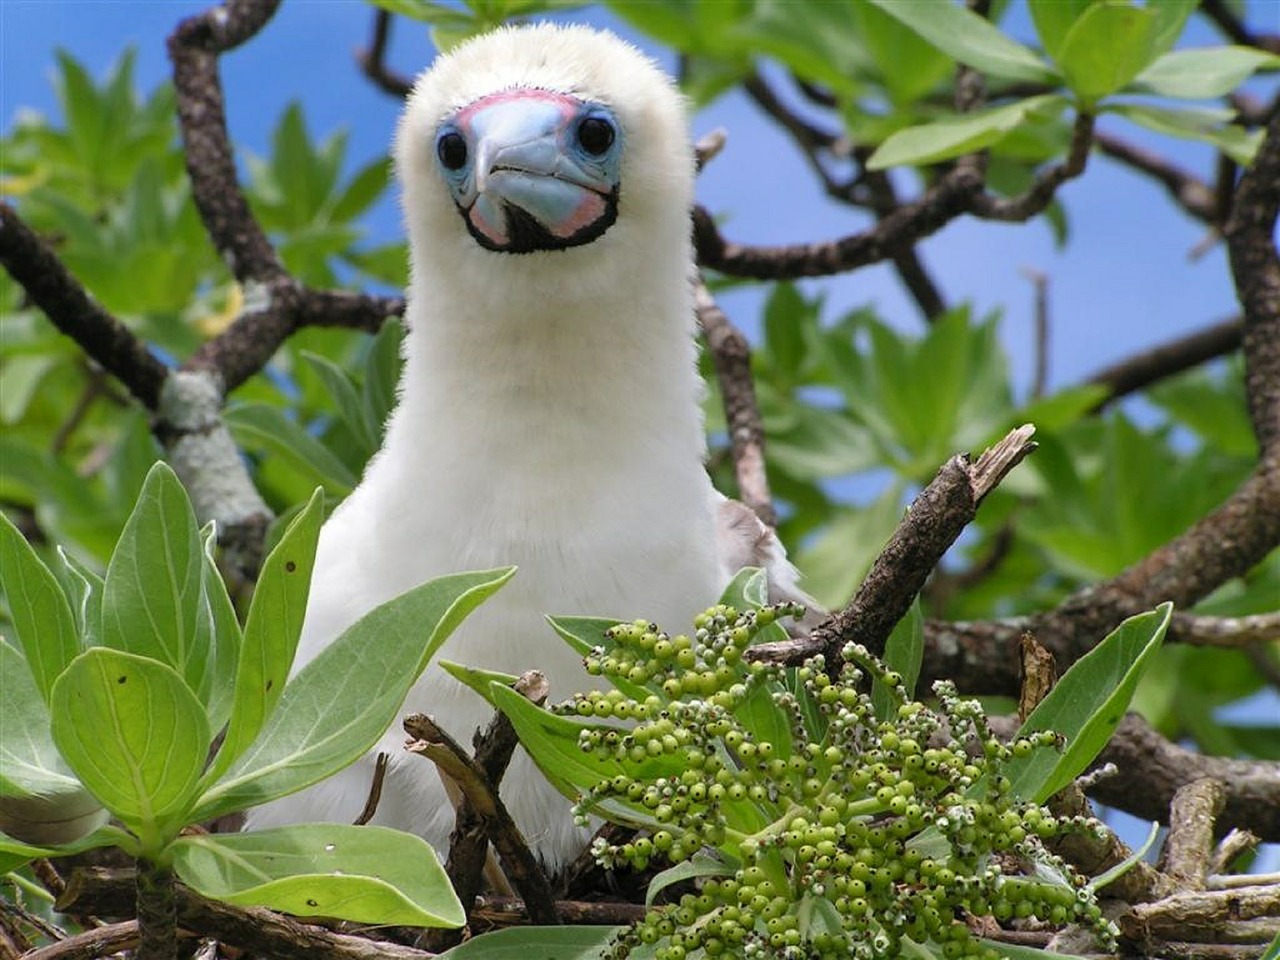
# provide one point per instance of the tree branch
(194, 49)
(936, 518)
(1203, 631)
(1252, 787)
(731, 356)
(1167, 359)
(372, 60)
(1234, 28)
(519, 862)
(70, 308)
(106, 892)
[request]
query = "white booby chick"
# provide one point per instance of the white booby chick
(549, 411)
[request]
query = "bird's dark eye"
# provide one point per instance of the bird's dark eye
(596, 135)
(452, 150)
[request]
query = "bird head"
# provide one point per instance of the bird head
(544, 139)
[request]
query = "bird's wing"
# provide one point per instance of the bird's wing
(744, 540)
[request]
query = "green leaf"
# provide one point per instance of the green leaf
(14, 853)
(259, 426)
(966, 133)
(135, 735)
(903, 652)
(835, 563)
(219, 679)
(536, 943)
(700, 865)
(477, 679)
(84, 590)
(343, 393)
(1204, 74)
(363, 874)
(338, 705)
(552, 742)
(41, 801)
(584, 634)
(382, 374)
(1087, 705)
(365, 187)
(1054, 19)
(39, 610)
(1211, 126)
(152, 599)
(1109, 45)
(911, 66)
(785, 316)
(1128, 863)
(271, 633)
(968, 38)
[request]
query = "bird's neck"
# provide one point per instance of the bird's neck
(538, 375)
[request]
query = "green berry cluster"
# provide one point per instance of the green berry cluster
(838, 833)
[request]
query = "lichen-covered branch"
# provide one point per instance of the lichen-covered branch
(1251, 787)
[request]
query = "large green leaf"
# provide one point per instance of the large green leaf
(338, 706)
(363, 874)
(1087, 705)
(41, 616)
(271, 633)
(135, 735)
(968, 38)
(1109, 45)
(1204, 74)
(966, 133)
(153, 595)
(41, 801)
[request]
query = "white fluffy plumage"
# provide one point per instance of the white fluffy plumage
(549, 417)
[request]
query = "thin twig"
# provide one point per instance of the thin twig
(731, 356)
(373, 59)
(520, 864)
(375, 789)
(1040, 319)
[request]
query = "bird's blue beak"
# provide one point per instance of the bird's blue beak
(532, 169)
